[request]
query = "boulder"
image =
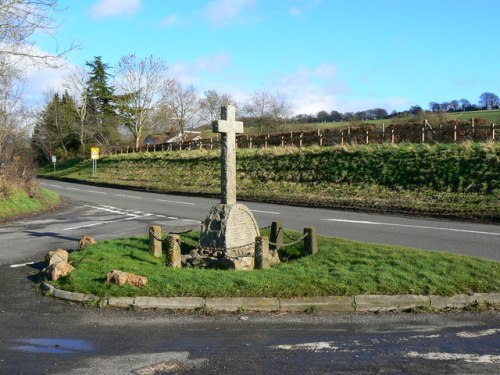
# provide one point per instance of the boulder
(59, 269)
(53, 256)
(85, 241)
(121, 278)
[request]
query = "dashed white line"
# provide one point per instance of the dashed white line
(128, 196)
(412, 226)
(173, 218)
(179, 202)
(21, 265)
(475, 358)
(266, 212)
(97, 192)
(58, 186)
(470, 335)
(72, 188)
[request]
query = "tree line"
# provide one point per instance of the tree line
(487, 101)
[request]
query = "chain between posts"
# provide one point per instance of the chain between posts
(164, 239)
(296, 241)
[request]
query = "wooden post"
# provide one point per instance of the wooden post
(393, 137)
(367, 139)
(155, 240)
(349, 134)
(300, 139)
(342, 138)
(276, 235)
(320, 138)
(173, 258)
(454, 133)
(473, 129)
(291, 138)
(310, 241)
(266, 140)
(261, 253)
(383, 132)
(423, 131)
(282, 141)
(251, 142)
(493, 132)
(211, 143)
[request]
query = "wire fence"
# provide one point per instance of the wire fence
(414, 133)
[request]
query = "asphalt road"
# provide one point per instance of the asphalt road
(470, 239)
(42, 335)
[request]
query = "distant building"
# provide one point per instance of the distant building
(189, 136)
(156, 139)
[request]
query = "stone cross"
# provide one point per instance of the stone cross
(228, 127)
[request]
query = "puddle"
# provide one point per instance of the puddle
(53, 346)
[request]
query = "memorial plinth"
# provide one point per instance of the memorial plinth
(230, 227)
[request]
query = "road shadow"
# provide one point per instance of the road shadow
(51, 234)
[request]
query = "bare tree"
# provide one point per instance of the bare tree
(212, 102)
(19, 21)
(268, 111)
(140, 83)
(183, 105)
(76, 85)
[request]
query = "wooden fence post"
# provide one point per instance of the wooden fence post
(266, 140)
(367, 139)
(261, 253)
(393, 136)
(493, 132)
(173, 258)
(342, 138)
(423, 131)
(282, 141)
(454, 133)
(300, 139)
(276, 235)
(310, 241)
(320, 138)
(383, 132)
(155, 240)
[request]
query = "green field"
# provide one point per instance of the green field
(341, 267)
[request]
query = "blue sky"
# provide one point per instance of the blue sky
(345, 55)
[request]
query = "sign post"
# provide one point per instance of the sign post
(94, 155)
(54, 159)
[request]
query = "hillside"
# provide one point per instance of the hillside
(460, 181)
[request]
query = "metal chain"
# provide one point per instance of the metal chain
(291, 243)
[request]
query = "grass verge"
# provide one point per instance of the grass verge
(341, 267)
(458, 181)
(19, 201)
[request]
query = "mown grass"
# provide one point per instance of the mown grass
(341, 267)
(18, 201)
(461, 181)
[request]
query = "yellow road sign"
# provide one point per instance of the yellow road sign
(94, 153)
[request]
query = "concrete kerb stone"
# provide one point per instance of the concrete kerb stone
(390, 303)
(366, 303)
(331, 304)
(443, 302)
(173, 303)
(493, 298)
(247, 304)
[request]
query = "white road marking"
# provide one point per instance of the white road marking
(412, 226)
(97, 192)
(470, 335)
(266, 212)
(58, 186)
(160, 215)
(72, 188)
(173, 218)
(180, 202)
(128, 196)
(310, 346)
(21, 265)
(475, 358)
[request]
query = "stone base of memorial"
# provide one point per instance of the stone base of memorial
(228, 234)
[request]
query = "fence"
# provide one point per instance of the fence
(414, 133)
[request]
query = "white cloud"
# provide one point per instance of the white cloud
(303, 6)
(220, 13)
(170, 20)
(112, 8)
(190, 73)
(310, 90)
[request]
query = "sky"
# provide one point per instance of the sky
(344, 55)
